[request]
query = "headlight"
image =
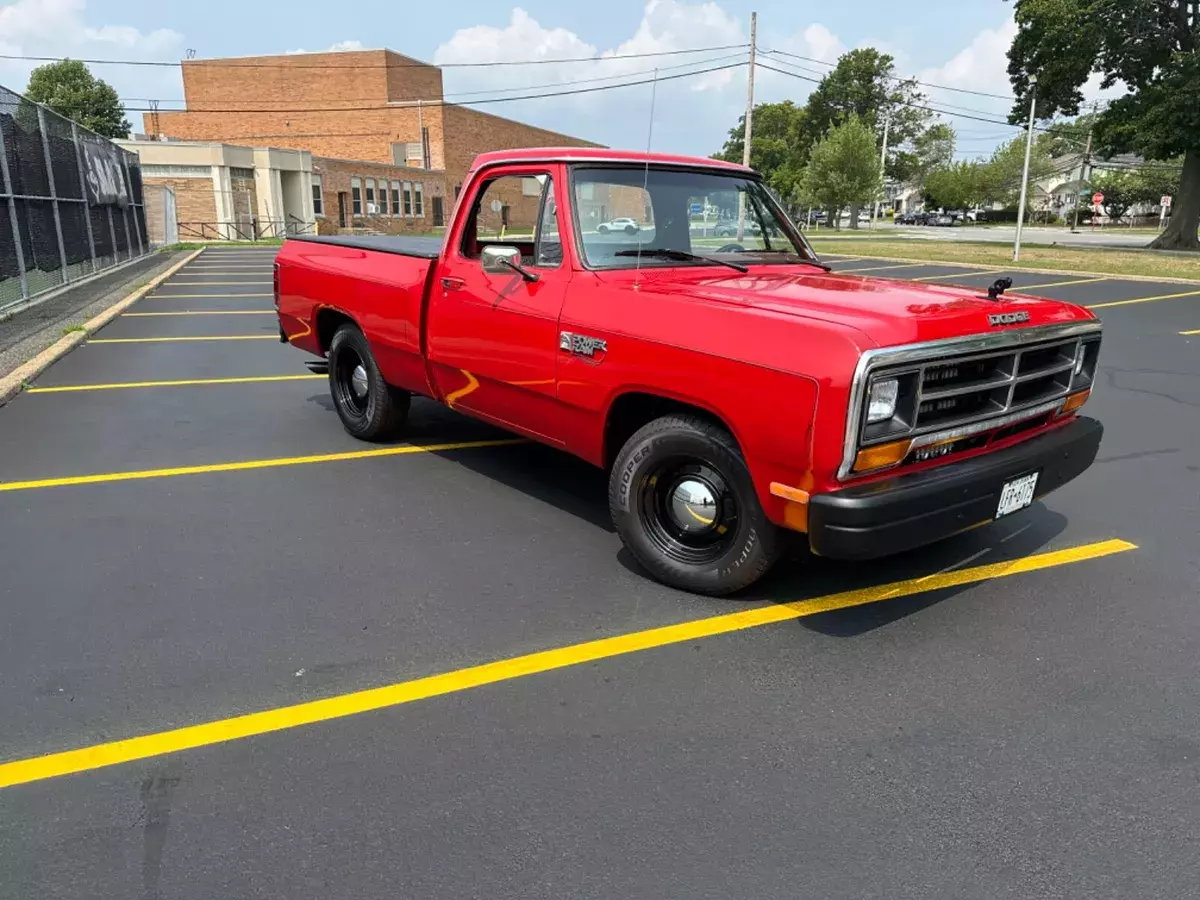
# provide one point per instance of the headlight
(881, 401)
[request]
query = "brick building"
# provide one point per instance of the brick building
(366, 116)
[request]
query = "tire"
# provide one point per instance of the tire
(603, 229)
(382, 410)
(631, 229)
(675, 453)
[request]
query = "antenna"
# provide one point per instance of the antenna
(637, 273)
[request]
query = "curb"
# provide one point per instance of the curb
(962, 265)
(10, 384)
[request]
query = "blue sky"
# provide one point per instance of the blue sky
(959, 43)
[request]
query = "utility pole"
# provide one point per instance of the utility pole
(1087, 161)
(887, 123)
(1025, 172)
(749, 122)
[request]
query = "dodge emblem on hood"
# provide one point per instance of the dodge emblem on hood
(1010, 318)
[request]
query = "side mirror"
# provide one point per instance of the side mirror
(501, 260)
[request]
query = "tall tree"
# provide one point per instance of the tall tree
(962, 185)
(930, 150)
(1150, 46)
(1002, 175)
(71, 90)
(777, 129)
(843, 168)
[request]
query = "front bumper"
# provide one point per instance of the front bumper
(906, 511)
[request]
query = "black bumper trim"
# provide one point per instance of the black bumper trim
(896, 514)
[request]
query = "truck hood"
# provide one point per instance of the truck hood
(887, 312)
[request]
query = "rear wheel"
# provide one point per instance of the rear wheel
(370, 408)
(631, 229)
(683, 502)
(603, 229)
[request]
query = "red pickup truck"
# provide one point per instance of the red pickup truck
(734, 388)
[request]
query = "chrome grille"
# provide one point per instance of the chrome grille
(950, 391)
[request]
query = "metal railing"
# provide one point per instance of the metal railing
(245, 230)
(71, 202)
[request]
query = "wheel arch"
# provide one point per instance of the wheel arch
(631, 409)
(328, 320)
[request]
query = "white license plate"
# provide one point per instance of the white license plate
(1017, 494)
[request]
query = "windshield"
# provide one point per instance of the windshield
(666, 214)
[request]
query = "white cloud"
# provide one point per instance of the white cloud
(346, 45)
(59, 28)
(980, 66)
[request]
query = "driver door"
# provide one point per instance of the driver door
(493, 337)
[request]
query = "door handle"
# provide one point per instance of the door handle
(452, 284)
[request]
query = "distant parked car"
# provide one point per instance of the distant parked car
(729, 229)
(622, 224)
(941, 220)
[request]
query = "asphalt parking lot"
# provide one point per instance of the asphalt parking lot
(242, 654)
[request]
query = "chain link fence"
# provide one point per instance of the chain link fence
(71, 202)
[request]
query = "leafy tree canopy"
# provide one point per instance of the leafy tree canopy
(843, 167)
(70, 89)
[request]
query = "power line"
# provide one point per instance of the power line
(454, 96)
(402, 104)
(238, 64)
(940, 87)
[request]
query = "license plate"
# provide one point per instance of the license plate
(1017, 494)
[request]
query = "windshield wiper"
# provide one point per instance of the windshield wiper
(808, 261)
(683, 255)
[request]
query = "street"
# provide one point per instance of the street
(1109, 236)
(190, 538)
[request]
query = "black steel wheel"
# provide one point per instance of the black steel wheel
(684, 504)
(370, 408)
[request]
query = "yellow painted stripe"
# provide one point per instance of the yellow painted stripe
(118, 385)
(204, 312)
(39, 768)
(1033, 287)
(164, 340)
(958, 275)
(880, 268)
(1197, 331)
(212, 283)
(160, 296)
(250, 464)
(1143, 300)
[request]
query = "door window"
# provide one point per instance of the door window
(508, 212)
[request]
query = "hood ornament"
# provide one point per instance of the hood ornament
(999, 286)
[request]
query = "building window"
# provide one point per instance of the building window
(419, 200)
(408, 198)
(356, 196)
(395, 198)
(371, 210)
(156, 171)
(414, 154)
(318, 201)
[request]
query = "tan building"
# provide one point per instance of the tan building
(370, 105)
(228, 192)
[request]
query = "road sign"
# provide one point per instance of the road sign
(1165, 202)
(1097, 198)
(696, 209)
(497, 205)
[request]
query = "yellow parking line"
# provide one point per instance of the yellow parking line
(245, 272)
(250, 464)
(878, 268)
(213, 283)
(1197, 331)
(1033, 287)
(1142, 300)
(40, 768)
(165, 340)
(253, 379)
(161, 296)
(958, 275)
(204, 312)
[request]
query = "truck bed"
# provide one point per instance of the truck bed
(400, 244)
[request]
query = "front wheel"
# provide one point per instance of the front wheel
(683, 502)
(603, 229)
(370, 408)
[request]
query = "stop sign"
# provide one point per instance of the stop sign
(1097, 198)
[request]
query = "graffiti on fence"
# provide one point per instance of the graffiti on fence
(103, 174)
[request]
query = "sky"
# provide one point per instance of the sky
(953, 43)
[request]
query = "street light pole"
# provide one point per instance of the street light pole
(1025, 172)
(748, 135)
(887, 124)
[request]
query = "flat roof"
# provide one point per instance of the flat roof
(599, 154)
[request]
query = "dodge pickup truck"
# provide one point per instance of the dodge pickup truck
(734, 388)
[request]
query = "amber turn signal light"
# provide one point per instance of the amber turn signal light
(881, 456)
(1074, 402)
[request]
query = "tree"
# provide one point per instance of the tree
(962, 185)
(68, 88)
(931, 150)
(1002, 176)
(1120, 190)
(777, 128)
(843, 168)
(1150, 46)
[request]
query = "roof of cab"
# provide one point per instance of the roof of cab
(598, 154)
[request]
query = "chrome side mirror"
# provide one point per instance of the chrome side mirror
(500, 260)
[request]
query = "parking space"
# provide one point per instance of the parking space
(428, 669)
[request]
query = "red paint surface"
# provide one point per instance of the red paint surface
(771, 352)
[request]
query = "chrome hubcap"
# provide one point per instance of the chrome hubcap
(358, 382)
(693, 507)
